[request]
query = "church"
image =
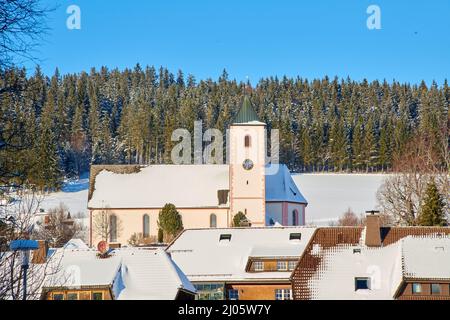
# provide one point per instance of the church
(205, 195)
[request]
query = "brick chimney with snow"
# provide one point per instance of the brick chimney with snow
(373, 232)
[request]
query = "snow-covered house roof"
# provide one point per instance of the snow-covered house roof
(133, 273)
(341, 265)
(280, 186)
(82, 267)
(337, 256)
(204, 257)
(185, 186)
(76, 244)
(426, 257)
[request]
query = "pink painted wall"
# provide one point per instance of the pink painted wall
(131, 221)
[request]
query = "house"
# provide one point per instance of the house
(374, 263)
(206, 195)
(240, 263)
(121, 274)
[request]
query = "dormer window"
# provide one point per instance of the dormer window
(247, 141)
(225, 237)
(222, 196)
(295, 236)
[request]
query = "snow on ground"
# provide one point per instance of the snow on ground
(74, 195)
(329, 195)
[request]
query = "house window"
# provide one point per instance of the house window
(283, 294)
(58, 296)
(146, 226)
(292, 264)
(210, 291)
(362, 284)
(435, 288)
(97, 296)
(113, 229)
(295, 217)
(258, 265)
(247, 141)
(233, 294)
(72, 296)
(282, 265)
(416, 288)
(213, 221)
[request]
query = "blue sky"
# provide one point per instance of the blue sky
(255, 39)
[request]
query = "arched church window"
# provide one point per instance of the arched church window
(247, 141)
(295, 217)
(146, 226)
(213, 221)
(113, 228)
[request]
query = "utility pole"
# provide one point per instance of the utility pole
(24, 246)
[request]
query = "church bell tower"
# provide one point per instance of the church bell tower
(247, 165)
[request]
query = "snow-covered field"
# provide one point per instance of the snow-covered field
(328, 195)
(74, 195)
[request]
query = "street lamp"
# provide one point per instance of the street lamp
(24, 246)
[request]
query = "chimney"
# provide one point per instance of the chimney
(40, 255)
(373, 232)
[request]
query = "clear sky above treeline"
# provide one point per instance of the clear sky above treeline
(255, 39)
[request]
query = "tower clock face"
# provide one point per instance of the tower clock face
(247, 164)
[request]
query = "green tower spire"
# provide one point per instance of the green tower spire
(246, 113)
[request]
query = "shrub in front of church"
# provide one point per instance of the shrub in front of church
(240, 220)
(137, 239)
(170, 221)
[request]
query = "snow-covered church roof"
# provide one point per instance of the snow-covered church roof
(280, 186)
(185, 186)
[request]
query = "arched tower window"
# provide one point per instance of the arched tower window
(113, 228)
(295, 217)
(213, 221)
(146, 226)
(247, 141)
